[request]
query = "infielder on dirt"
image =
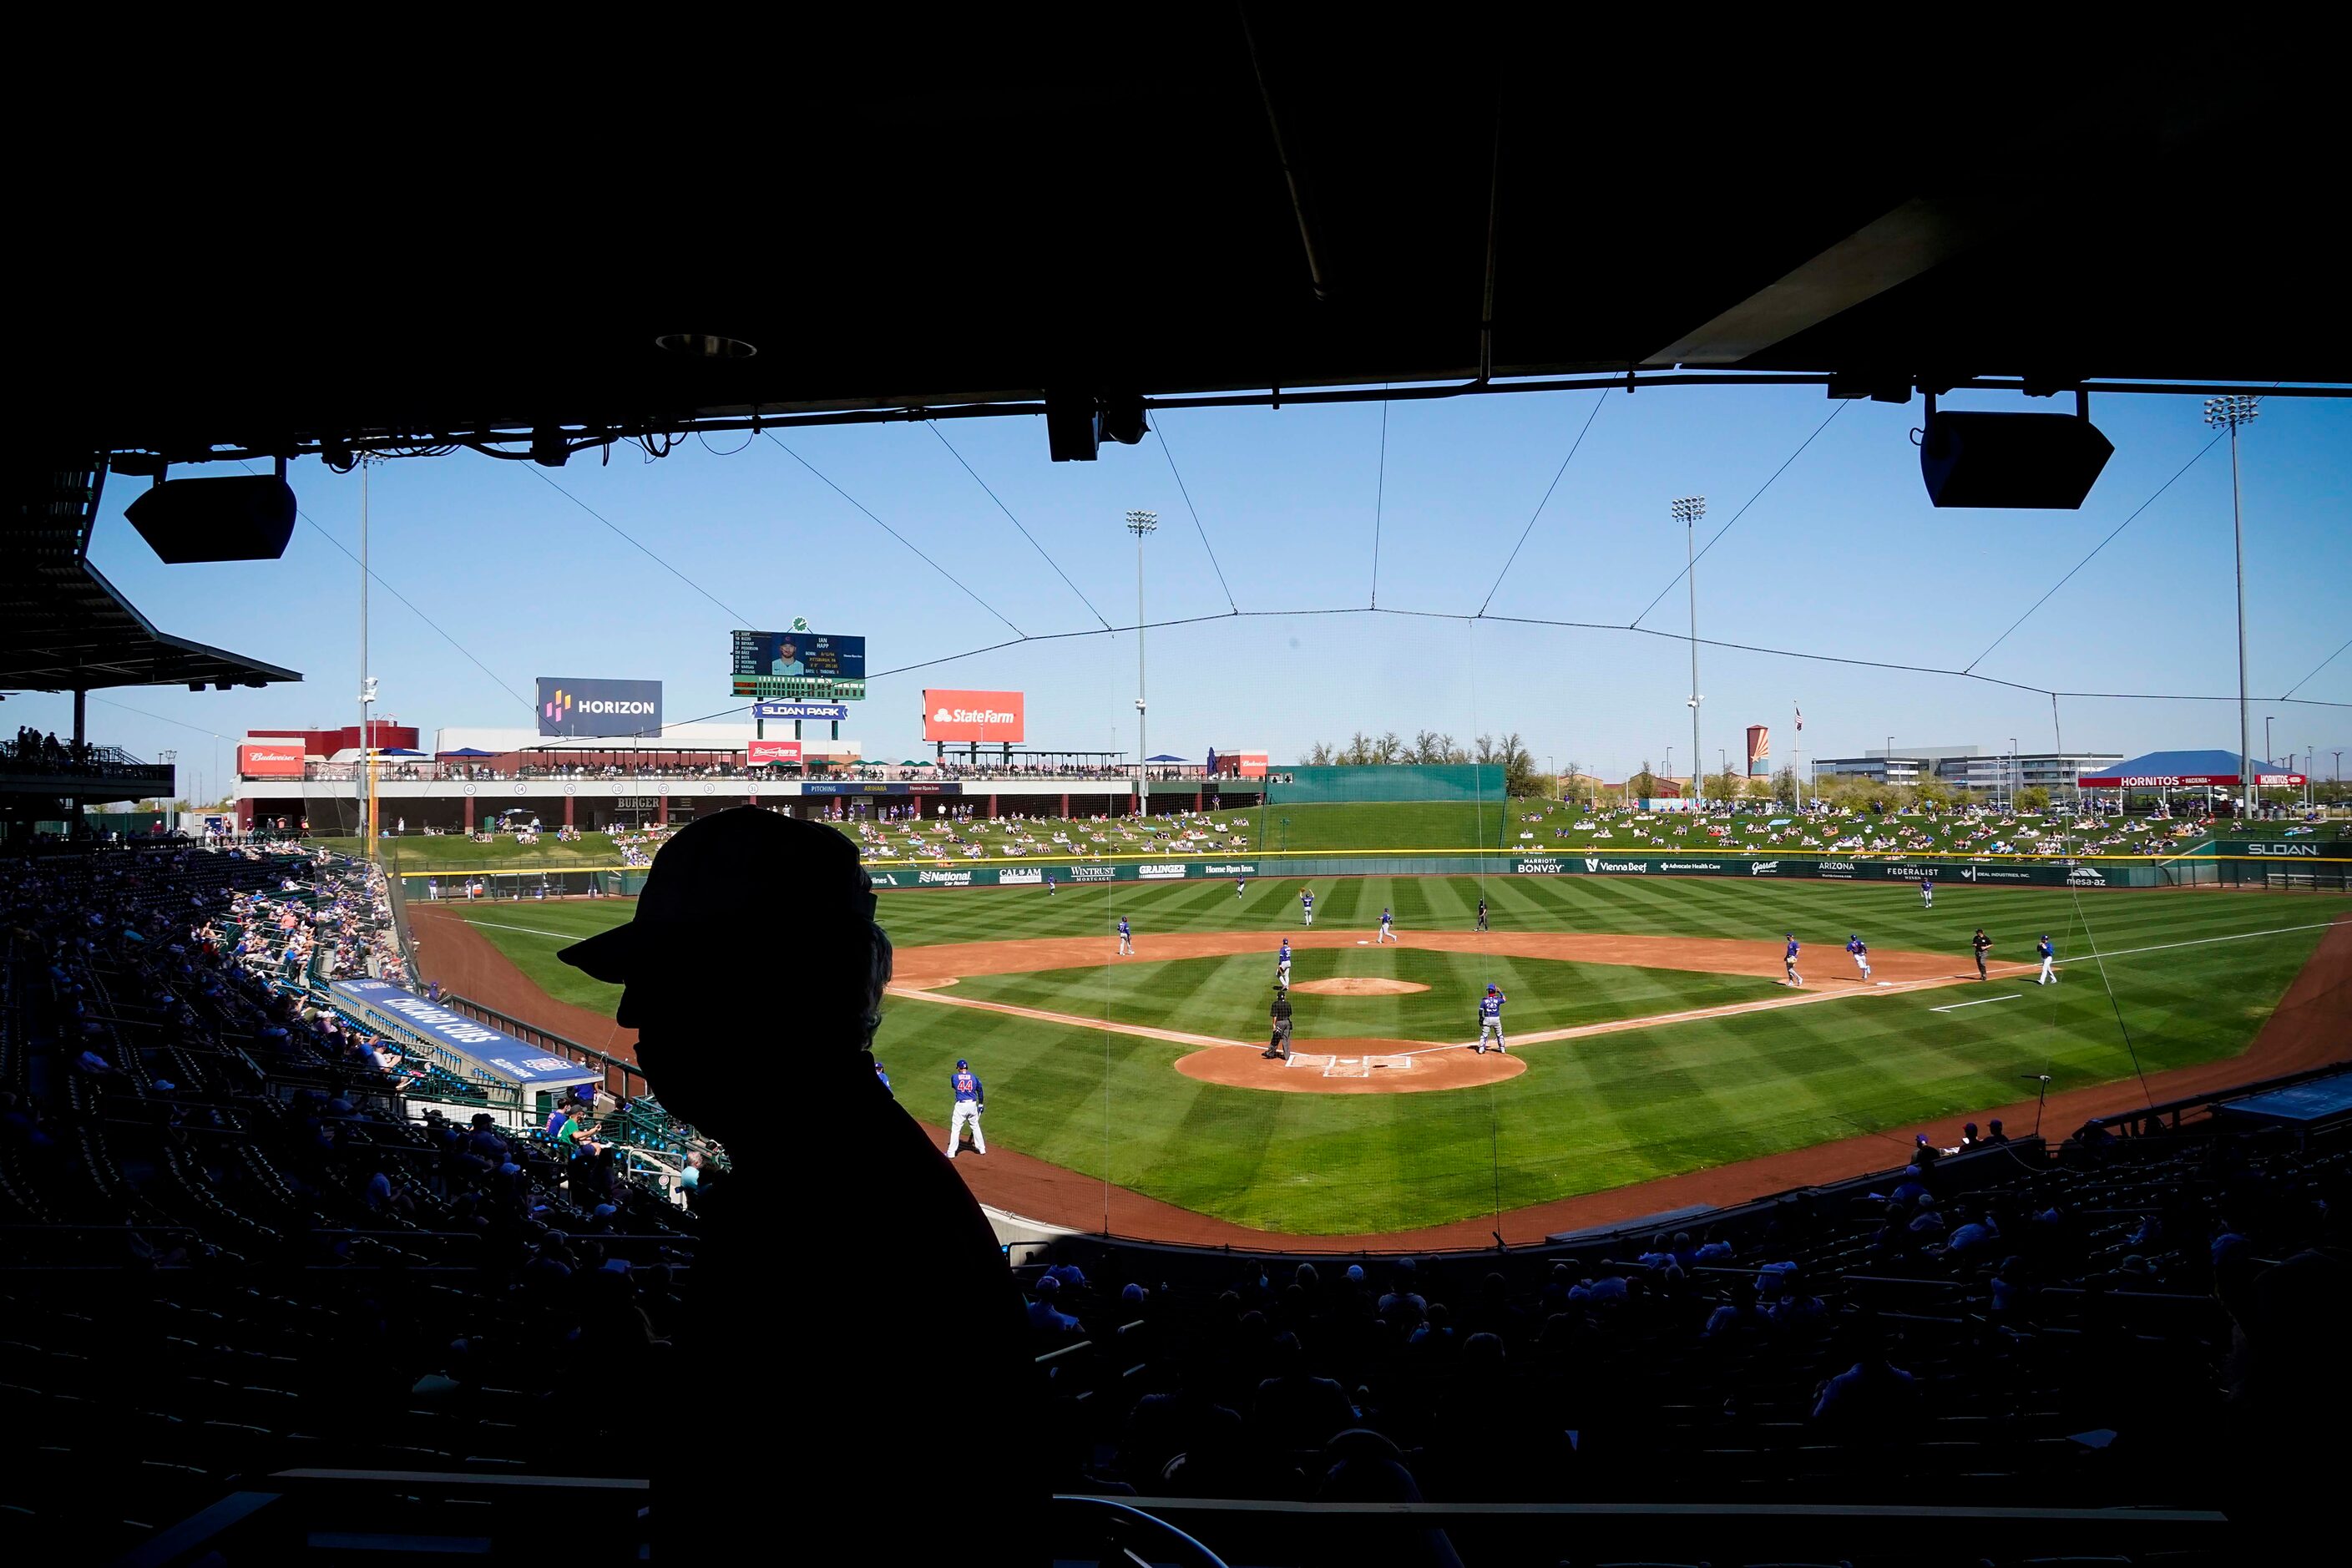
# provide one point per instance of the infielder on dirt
(968, 1107)
(1282, 966)
(1490, 1019)
(1387, 930)
(1125, 939)
(1788, 961)
(1861, 950)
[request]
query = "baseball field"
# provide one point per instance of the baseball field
(1651, 1036)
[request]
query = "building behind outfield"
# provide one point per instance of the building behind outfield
(1968, 767)
(477, 777)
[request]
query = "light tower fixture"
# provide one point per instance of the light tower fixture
(1688, 510)
(2228, 413)
(1140, 523)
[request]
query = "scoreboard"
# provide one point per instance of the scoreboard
(820, 666)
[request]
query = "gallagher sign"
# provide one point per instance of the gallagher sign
(950, 715)
(571, 707)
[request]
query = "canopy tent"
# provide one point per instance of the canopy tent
(467, 751)
(2189, 770)
(396, 751)
(1164, 757)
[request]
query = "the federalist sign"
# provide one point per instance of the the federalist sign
(572, 706)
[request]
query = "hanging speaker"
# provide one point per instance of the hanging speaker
(245, 517)
(2046, 461)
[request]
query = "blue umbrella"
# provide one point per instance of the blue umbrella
(1164, 757)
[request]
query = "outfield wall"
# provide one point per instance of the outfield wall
(2293, 866)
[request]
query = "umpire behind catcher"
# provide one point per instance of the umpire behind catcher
(695, 960)
(1280, 1012)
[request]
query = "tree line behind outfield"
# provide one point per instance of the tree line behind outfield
(1430, 749)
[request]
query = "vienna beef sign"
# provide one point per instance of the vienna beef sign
(991, 716)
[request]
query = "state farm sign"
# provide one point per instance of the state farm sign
(276, 760)
(759, 754)
(950, 715)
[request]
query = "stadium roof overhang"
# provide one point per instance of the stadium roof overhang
(988, 210)
(64, 627)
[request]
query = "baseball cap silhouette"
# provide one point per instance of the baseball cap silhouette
(726, 875)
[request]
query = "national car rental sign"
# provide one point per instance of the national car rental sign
(974, 716)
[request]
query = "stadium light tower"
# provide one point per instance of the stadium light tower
(2228, 413)
(1688, 509)
(1140, 523)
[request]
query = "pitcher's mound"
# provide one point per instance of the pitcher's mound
(1358, 985)
(1353, 1066)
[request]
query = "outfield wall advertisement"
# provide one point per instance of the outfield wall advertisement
(1822, 869)
(1066, 874)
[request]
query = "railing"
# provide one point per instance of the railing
(632, 1080)
(88, 762)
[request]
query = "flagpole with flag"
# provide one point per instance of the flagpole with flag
(1797, 751)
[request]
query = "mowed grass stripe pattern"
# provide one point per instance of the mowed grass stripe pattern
(1588, 1114)
(1228, 997)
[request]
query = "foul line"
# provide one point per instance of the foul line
(1141, 1031)
(2209, 941)
(533, 930)
(1979, 1002)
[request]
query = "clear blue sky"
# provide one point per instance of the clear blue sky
(1842, 555)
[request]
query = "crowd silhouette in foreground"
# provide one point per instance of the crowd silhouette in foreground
(269, 1262)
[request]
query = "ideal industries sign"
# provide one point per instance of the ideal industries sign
(609, 707)
(836, 712)
(498, 1053)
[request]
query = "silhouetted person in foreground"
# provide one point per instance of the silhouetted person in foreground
(838, 1423)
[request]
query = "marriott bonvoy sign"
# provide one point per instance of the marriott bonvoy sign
(954, 715)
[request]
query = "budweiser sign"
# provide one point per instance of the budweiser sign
(270, 760)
